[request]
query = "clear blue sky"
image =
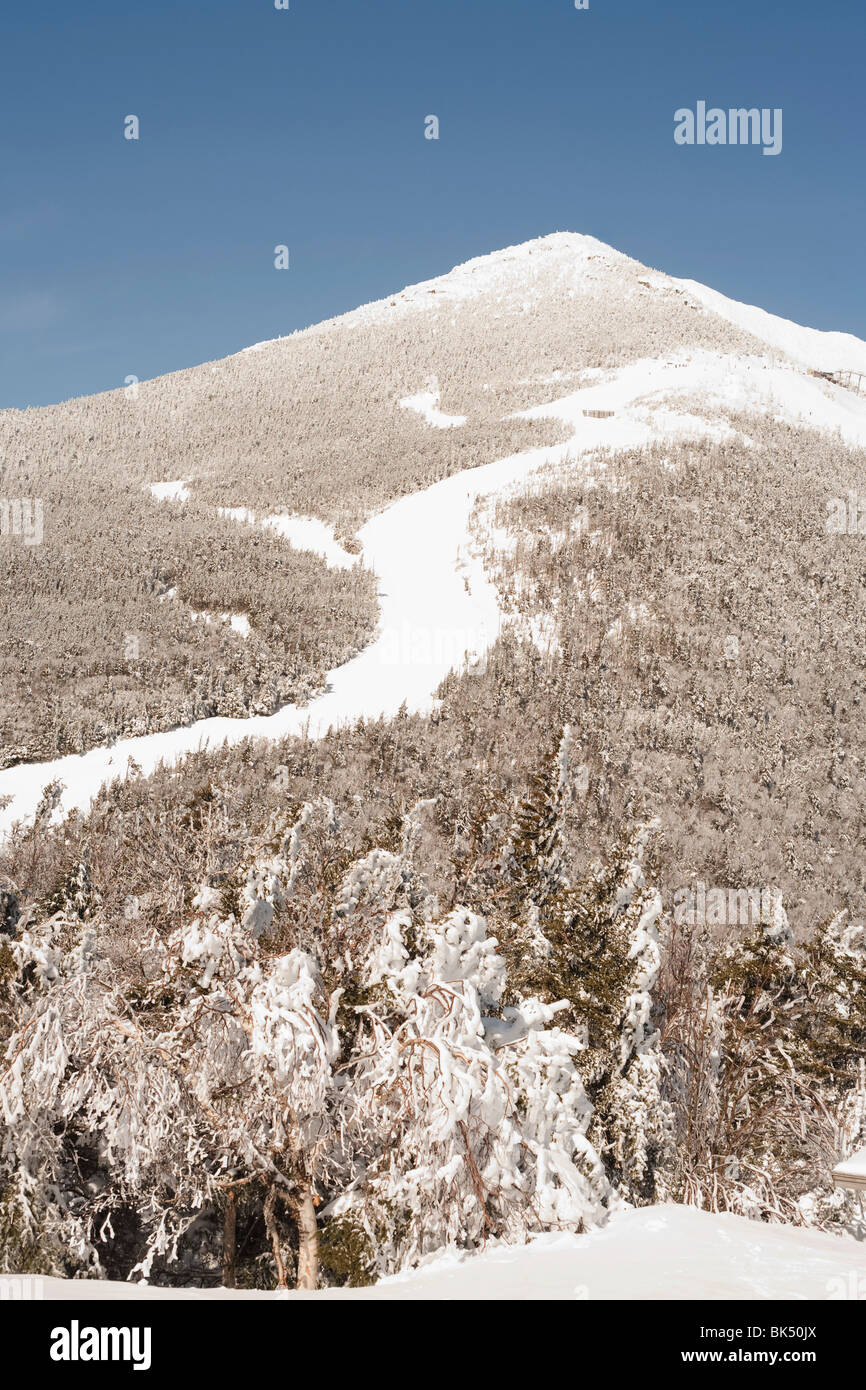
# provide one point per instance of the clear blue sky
(306, 127)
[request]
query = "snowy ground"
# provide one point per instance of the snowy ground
(308, 533)
(824, 352)
(302, 533)
(426, 404)
(438, 608)
(651, 393)
(174, 491)
(653, 1253)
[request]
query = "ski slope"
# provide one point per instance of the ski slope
(651, 1253)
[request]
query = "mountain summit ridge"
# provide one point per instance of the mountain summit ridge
(580, 262)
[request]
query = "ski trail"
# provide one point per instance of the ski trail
(438, 608)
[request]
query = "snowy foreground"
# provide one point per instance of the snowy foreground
(652, 1253)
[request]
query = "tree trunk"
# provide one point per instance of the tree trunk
(230, 1224)
(270, 1209)
(308, 1243)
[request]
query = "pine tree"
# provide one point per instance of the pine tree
(634, 1123)
(834, 1023)
(534, 860)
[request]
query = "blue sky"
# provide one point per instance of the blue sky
(306, 128)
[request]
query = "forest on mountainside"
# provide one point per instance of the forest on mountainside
(306, 425)
(314, 1048)
(707, 637)
(498, 1021)
(120, 622)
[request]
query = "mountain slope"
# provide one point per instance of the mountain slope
(323, 425)
(619, 666)
(815, 348)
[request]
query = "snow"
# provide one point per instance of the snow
(301, 532)
(309, 533)
(643, 392)
(438, 608)
(176, 491)
(426, 404)
(648, 1253)
(239, 622)
(853, 1167)
(823, 352)
(567, 256)
(580, 263)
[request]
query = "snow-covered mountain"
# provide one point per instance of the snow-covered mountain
(712, 356)
(566, 517)
(521, 278)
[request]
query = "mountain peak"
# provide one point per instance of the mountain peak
(562, 260)
(575, 265)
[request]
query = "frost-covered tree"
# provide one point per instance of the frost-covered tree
(534, 860)
(308, 1070)
(373, 1070)
(595, 943)
(766, 1072)
(834, 973)
(485, 1110)
(204, 1069)
(633, 1109)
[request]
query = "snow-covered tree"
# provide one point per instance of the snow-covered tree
(209, 1071)
(535, 853)
(374, 1070)
(634, 1111)
(484, 1108)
